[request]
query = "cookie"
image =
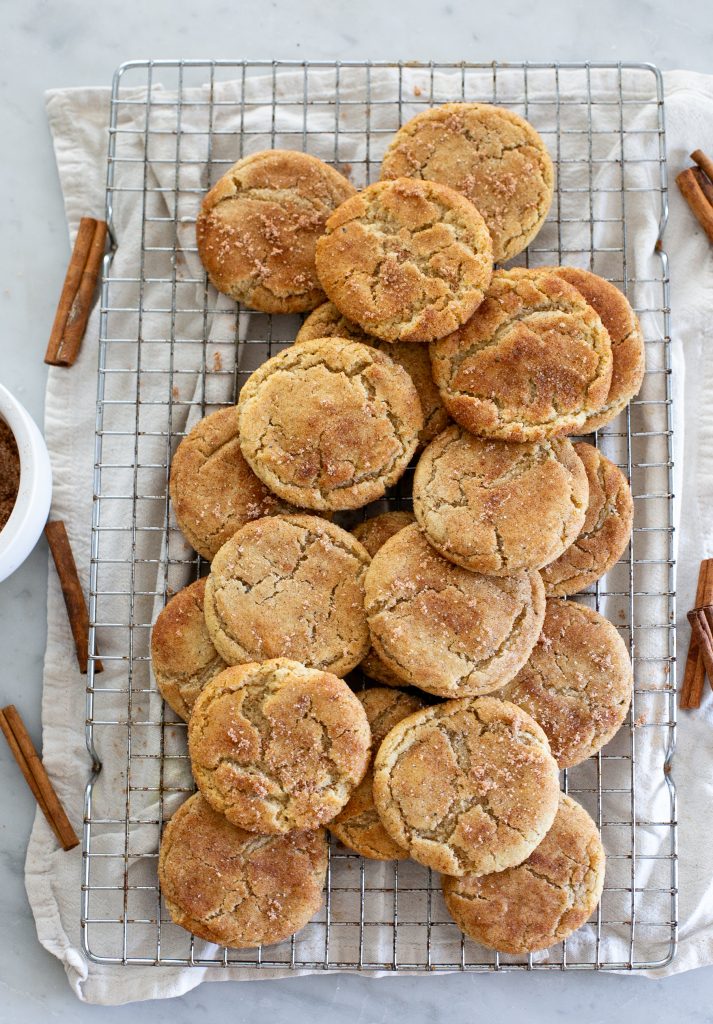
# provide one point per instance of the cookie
(258, 226)
(234, 888)
(540, 902)
(358, 826)
(213, 490)
(467, 786)
(534, 361)
(289, 587)
(327, 322)
(374, 532)
(628, 353)
(406, 260)
(276, 746)
(476, 500)
(329, 424)
(577, 682)
(444, 629)
(488, 154)
(606, 530)
(183, 658)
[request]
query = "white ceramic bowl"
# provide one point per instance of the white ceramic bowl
(28, 517)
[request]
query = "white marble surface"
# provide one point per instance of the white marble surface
(77, 42)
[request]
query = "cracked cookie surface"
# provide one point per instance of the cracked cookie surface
(258, 226)
(276, 746)
(606, 530)
(236, 888)
(329, 424)
(327, 322)
(540, 902)
(183, 657)
(358, 825)
(628, 352)
(445, 629)
(213, 490)
(289, 587)
(534, 361)
(467, 786)
(495, 506)
(489, 154)
(373, 533)
(577, 682)
(407, 260)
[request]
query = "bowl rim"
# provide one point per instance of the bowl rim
(21, 531)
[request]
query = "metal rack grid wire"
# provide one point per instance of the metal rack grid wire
(170, 349)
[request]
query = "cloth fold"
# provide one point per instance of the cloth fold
(78, 121)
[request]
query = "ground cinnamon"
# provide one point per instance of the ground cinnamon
(9, 472)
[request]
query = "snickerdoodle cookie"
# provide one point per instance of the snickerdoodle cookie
(496, 507)
(444, 629)
(183, 657)
(629, 362)
(234, 888)
(258, 226)
(358, 826)
(407, 260)
(534, 361)
(276, 746)
(373, 533)
(213, 490)
(467, 786)
(491, 155)
(330, 423)
(577, 683)
(327, 322)
(289, 587)
(605, 532)
(541, 901)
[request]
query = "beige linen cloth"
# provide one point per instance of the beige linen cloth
(78, 121)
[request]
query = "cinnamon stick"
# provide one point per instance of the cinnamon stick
(58, 541)
(37, 778)
(695, 672)
(695, 197)
(705, 183)
(75, 301)
(700, 628)
(704, 162)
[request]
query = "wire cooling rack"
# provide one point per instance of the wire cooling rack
(171, 349)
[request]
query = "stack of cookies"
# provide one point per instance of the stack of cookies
(491, 682)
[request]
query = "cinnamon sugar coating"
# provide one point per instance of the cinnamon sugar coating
(183, 658)
(534, 361)
(213, 490)
(498, 507)
(358, 825)
(627, 341)
(276, 746)
(467, 786)
(259, 224)
(490, 155)
(406, 260)
(577, 682)
(329, 424)
(327, 322)
(541, 901)
(289, 587)
(606, 530)
(373, 533)
(233, 887)
(444, 629)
